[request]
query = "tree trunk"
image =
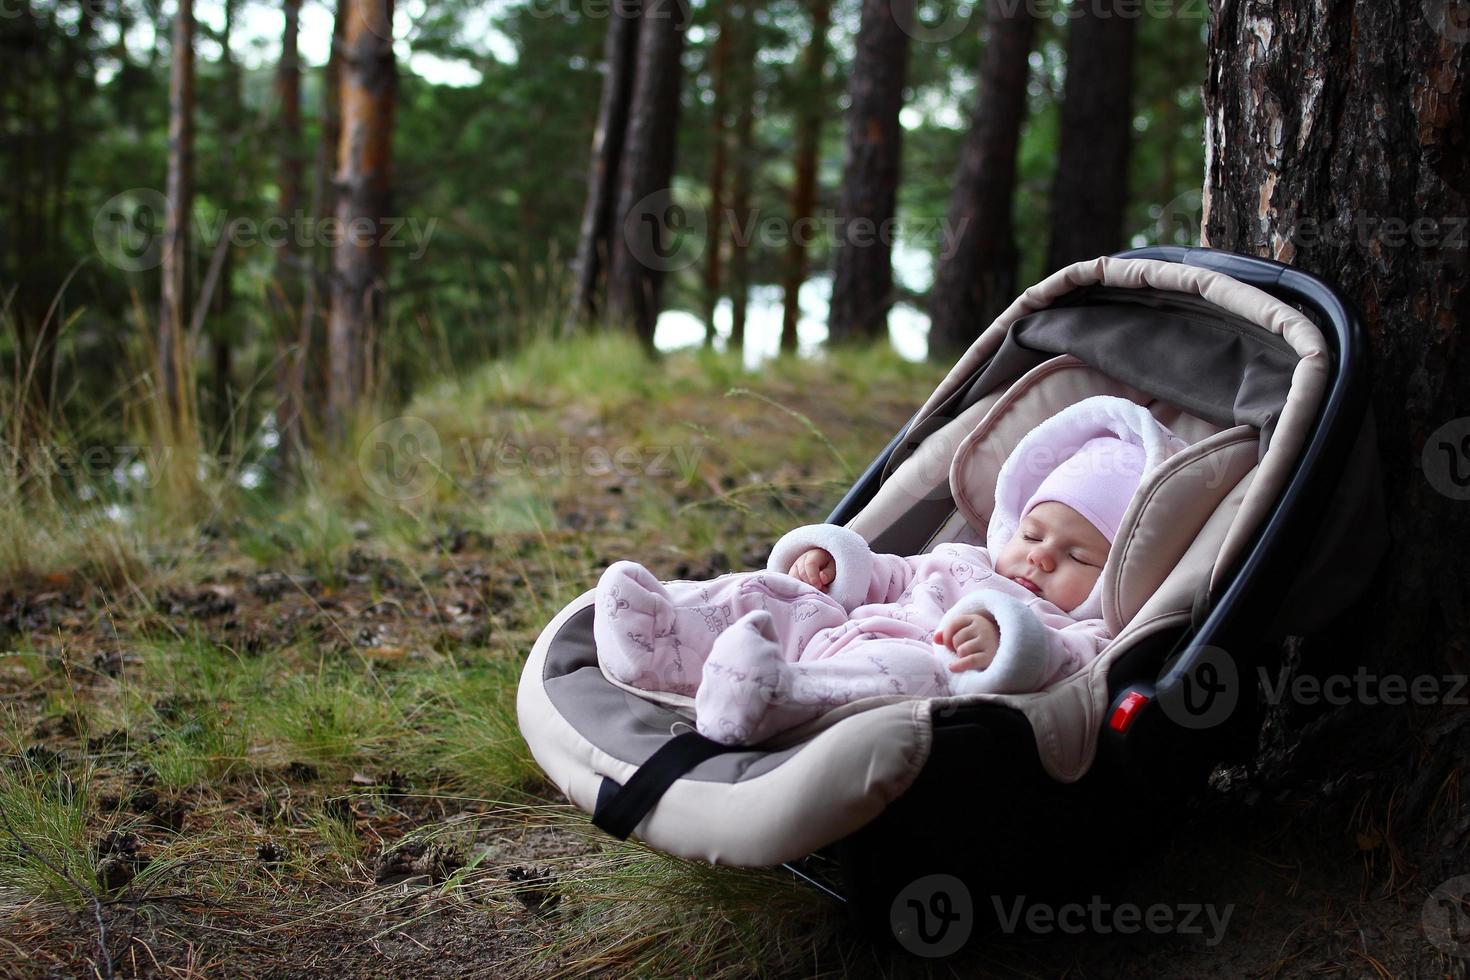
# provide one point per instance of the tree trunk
(745, 158)
(221, 336)
(288, 157)
(643, 235)
(862, 284)
(173, 358)
(714, 240)
(594, 239)
(804, 190)
(1336, 141)
(287, 292)
(359, 293)
(1090, 192)
(977, 279)
(313, 362)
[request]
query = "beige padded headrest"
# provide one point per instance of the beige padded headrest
(1173, 503)
(1167, 514)
(1035, 397)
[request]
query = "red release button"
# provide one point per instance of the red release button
(1127, 710)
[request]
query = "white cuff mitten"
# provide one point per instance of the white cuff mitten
(849, 551)
(1020, 664)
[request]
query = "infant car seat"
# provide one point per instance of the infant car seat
(1262, 527)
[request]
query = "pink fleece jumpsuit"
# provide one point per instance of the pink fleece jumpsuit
(762, 652)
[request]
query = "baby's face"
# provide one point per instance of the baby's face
(1056, 553)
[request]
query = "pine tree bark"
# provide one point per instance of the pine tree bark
(804, 188)
(976, 280)
(745, 159)
(1090, 192)
(287, 294)
(644, 231)
(179, 193)
(317, 307)
(1338, 140)
(594, 238)
(862, 282)
(221, 336)
(359, 293)
(714, 249)
(288, 158)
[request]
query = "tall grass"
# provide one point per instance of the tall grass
(44, 841)
(217, 728)
(635, 912)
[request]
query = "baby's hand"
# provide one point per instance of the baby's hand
(815, 567)
(973, 638)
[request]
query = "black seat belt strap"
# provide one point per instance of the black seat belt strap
(620, 808)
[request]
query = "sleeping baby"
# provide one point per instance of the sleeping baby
(830, 622)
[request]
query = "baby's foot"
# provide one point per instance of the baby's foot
(745, 681)
(632, 615)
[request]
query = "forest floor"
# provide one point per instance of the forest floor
(279, 740)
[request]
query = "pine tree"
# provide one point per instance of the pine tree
(977, 279)
(359, 293)
(862, 282)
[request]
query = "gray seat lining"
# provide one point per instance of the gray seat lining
(1178, 348)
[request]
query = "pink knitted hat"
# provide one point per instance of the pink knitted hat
(1097, 482)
